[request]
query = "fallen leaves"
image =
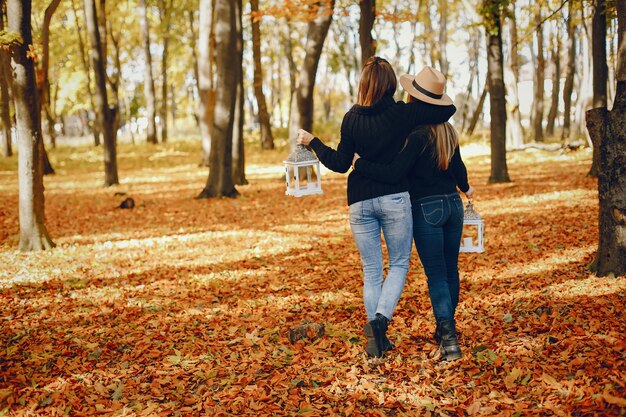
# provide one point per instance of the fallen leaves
(183, 307)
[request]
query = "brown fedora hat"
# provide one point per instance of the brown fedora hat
(428, 86)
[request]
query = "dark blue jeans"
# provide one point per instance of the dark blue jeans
(437, 229)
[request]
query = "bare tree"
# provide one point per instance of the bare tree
(33, 232)
(5, 96)
(537, 119)
(206, 82)
(45, 60)
(238, 151)
(570, 70)
(556, 80)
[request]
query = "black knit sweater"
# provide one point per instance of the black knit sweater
(418, 163)
(377, 133)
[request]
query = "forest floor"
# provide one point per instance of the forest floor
(182, 307)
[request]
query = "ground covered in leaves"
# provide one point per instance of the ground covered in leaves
(182, 307)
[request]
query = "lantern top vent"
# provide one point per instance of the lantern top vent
(301, 154)
(469, 213)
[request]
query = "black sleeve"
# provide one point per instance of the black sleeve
(420, 113)
(458, 170)
(398, 168)
(338, 160)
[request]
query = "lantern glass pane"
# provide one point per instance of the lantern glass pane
(470, 236)
(291, 178)
(308, 177)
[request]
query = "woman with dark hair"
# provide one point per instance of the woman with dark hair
(376, 128)
(433, 163)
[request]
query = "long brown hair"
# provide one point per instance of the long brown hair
(377, 80)
(444, 139)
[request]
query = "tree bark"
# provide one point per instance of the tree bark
(5, 80)
(600, 74)
(568, 87)
(539, 81)
(556, 84)
(479, 107)
(33, 232)
(288, 47)
(366, 24)
(45, 87)
(194, 55)
(151, 136)
(267, 140)
(302, 111)
(220, 181)
(608, 128)
(443, 37)
(206, 63)
(238, 151)
(107, 117)
(497, 101)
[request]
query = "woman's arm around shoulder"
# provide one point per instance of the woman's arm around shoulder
(420, 113)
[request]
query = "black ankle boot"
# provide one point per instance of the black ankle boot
(375, 332)
(449, 344)
(437, 335)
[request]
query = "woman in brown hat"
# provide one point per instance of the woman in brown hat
(432, 162)
(376, 127)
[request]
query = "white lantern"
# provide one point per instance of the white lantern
(302, 173)
(473, 230)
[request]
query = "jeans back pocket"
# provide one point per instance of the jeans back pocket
(433, 212)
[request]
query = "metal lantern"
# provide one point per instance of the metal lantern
(475, 227)
(302, 173)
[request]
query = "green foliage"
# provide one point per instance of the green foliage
(492, 12)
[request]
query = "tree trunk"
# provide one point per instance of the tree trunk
(166, 23)
(107, 117)
(194, 55)
(497, 101)
(288, 47)
(45, 87)
(206, 63)
(302, 111)
(515, 130)
(556, 84)
(95, 128)
(600, 75)
(479, 108)
(443, 37)
(33, 232)
(239, 160)
(220, 181)
(568, 87)
(366, 23)
(114, 81)
(5, 80)
(151, 136)
(608, 129)
(539, 81)
(267, 140)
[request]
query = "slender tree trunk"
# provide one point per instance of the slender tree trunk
(95, 128)
(608, 129)
(220, 181)
(288, 47)
(267, 140)
(556, 84)
(366, 24)
(497, 101)
(114, 81)
(302, 111)
(206, 63)
(515, 130)
(238, 151)
(479, 108)
(539, 81)
(443, 37)
(568, 87)
(600, 75)
(33, 232)
(107, 117)
(194, 55)
(5, 80)
(45, 97)
(151, 136)
(166, 10)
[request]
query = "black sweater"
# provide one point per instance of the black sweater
(418, 160)
(377, 133)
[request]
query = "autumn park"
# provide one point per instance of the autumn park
(188, 188)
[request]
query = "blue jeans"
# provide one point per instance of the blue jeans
(437, 229)
(392, 214)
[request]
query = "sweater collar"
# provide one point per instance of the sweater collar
(377, 107)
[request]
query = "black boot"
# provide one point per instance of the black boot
(449, 344)
(375, 332)
(437, 335)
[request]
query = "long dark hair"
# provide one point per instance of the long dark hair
(377, 80)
